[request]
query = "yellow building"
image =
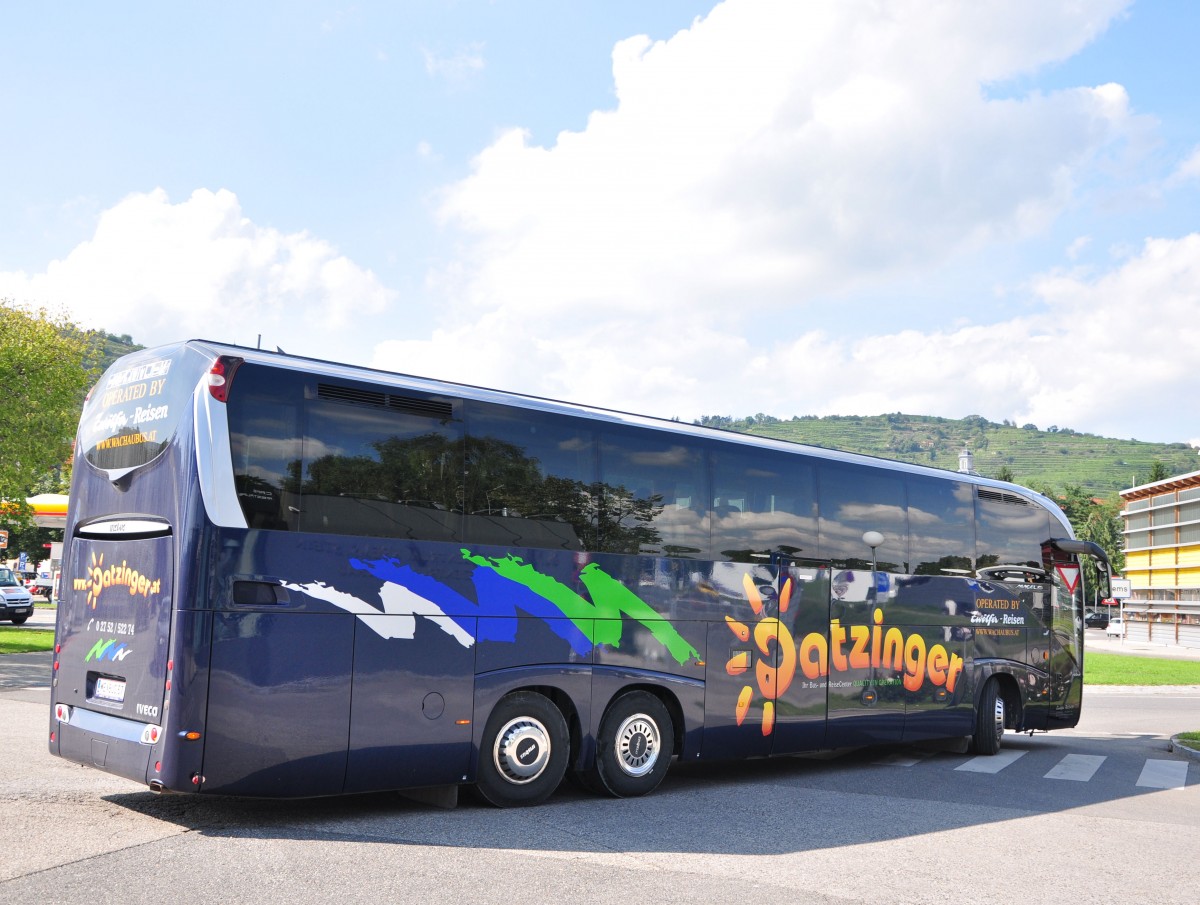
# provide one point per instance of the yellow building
(1162, 560)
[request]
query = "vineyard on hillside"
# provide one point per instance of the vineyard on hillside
(1054, 456)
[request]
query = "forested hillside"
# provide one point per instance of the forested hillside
(1056, 456)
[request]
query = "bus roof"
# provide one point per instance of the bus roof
(306, 364)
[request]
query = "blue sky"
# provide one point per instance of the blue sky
(677, 208)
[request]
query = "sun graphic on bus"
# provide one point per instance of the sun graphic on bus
(772, 679)
(94, 587)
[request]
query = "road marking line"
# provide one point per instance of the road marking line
(1164, 774)
(991, 764)
(1077, 767)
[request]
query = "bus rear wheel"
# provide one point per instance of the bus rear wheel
(524, 753)
(989, 719)
(634, 746)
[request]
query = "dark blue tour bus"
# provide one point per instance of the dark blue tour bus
(289, 577)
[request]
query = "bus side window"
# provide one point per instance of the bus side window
(854, 499)
(650, 484)
(1010, 530)
(380, 467)
(265, 441)
(941, 520)
(763, 503)
(530, 477)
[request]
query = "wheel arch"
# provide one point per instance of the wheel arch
(1009, 688)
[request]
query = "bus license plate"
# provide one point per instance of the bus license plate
(110, 689)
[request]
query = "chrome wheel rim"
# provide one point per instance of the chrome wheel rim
(999, 718)
(522, 750)
(638, 745)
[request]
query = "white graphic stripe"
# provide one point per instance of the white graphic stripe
(400, 609)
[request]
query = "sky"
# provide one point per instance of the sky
(677, 208)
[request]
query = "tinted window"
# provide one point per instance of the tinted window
(530, 479)
(265, 409)
(653, 492)
(1010, 531)
(854, 500)
(763, 502)
(387, 467)
(345, 459)
(941, 523)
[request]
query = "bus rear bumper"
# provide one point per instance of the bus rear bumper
(106, 742)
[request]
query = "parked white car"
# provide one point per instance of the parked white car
(16, 603)
(1115, 627)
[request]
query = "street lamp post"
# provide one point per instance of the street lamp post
(873, 539)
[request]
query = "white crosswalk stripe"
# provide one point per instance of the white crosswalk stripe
(1077, 767)
(1155, 774)
(1164, 774)
(991, 764)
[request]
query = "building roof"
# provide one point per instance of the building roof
(1166, 485)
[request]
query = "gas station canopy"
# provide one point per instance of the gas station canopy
(49, 510)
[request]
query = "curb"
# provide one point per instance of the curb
(1176, 745)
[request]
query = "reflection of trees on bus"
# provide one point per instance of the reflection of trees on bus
(497, 490)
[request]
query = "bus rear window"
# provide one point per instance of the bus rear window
(134, 410)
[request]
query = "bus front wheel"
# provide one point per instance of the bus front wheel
(634, 746)
(989, 719)
(525, 751)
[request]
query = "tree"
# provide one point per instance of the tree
(44, 380)
(1004, 473)
(1158, 472)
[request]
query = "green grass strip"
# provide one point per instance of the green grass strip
(15, 640)
(1123, 669)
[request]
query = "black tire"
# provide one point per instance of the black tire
(524, 753)
(989, 719)
(634, 747)
(19, 620)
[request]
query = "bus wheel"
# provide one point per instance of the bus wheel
(634, 747)
(525, 751)
(989, 719)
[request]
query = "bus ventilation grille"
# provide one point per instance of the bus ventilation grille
(999, 496)
(430, 408)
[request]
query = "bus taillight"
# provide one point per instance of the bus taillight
(221, 375)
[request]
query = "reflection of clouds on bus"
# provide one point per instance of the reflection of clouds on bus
(765, 532)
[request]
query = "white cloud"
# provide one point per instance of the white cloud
(164, 272)
(455, 68)
(780, 157)
(1188, 170)
(770, 163)
(785, 150)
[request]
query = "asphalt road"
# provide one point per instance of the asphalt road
(1102, 813)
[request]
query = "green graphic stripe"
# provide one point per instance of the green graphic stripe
(600, 619)
(99, 648)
